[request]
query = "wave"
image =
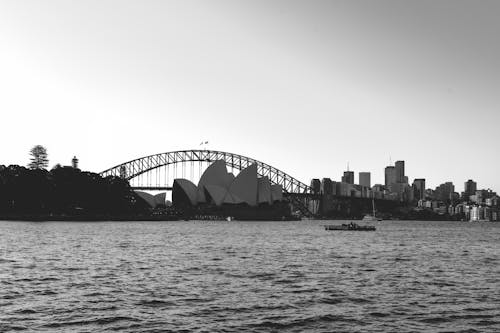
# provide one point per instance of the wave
(358, 300)
(6, 328)
(4, 260)
(435, 320)
(49, 279)
(26, 311)
(378, 314)
(299, 323)
(45, 292)
(330, 300)
(156, 303)
(96, 321)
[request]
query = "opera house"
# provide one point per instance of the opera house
(219, 191)
(153, 201)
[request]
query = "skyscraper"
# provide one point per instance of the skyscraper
(326, 186)
(348, 177)
(364, 179)
(444, 192)
(419, 188)
(315, 185)
(470, 188)
(400, 171)
(390, 175)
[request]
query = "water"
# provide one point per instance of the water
(249, 277)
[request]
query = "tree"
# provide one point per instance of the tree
(39, 158)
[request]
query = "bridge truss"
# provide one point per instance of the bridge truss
(152, 172)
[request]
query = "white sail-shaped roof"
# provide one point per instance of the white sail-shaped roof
(276, 192)
(228, 180)
(160, 198)
(264, 190)
(215, 174)
(232, 198)
(245, 186)
(217, 193)
(150, 199)
(189, 189)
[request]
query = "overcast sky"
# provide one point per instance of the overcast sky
(305, 86)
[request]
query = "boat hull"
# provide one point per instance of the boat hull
(347, 227)
(371, 218)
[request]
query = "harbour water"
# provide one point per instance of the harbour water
(249, 277)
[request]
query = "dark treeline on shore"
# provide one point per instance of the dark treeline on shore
(64, 191)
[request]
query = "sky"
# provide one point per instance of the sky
(305, 86)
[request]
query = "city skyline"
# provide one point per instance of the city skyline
(302, 87)
(396, 181)
(255, 165)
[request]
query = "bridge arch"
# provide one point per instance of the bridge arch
(292, 187)
(134, 168)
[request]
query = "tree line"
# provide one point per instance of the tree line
(63, 191)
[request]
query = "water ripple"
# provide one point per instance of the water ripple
(248, 277)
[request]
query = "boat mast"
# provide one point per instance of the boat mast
(373, 204)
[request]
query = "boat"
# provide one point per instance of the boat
(350, 227)
(372, 217)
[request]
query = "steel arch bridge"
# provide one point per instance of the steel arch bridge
(297, 192)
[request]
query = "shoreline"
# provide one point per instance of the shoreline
(98, 218)
(165, 218)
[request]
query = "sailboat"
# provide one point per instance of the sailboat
(372, 217)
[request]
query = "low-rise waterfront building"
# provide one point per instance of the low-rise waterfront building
(459, 209)
(476, 213)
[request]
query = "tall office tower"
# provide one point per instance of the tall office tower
(444, 192)
(315, 185)
(348, 177)
(400, 171)
(419, 188)
(364, 179)
(470, 188)
(390, 175)
(326, 186)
